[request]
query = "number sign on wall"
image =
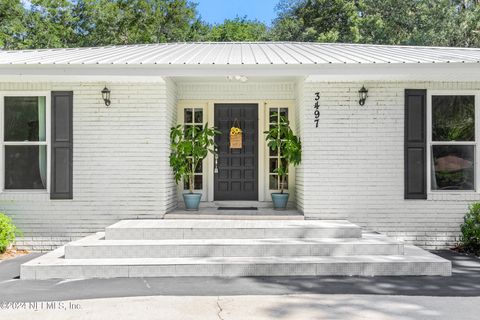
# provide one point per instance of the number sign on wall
(316, 107)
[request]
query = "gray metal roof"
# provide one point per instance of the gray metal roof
(245, 53)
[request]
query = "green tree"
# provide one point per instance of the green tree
(468, 23)
(103, 22)
(238, 29)
(12, 24)
(414, 22)
(50, 24)
(317, 20)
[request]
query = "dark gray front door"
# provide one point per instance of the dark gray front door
(237, 175)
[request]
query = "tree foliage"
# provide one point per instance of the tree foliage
(12, 23)
(75, 23)
(412, 22)
(238, 29)
(318, 20)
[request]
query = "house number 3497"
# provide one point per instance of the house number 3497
(316, 107)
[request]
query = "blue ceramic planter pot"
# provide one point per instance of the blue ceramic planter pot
(192, 201)
(280, 200)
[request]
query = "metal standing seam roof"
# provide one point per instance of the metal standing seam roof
(241, 53)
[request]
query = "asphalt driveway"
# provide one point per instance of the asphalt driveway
(465, 282)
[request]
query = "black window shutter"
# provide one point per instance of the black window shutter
(62, 145)
(415, 144)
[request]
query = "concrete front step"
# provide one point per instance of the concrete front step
(415, 262)
(95, 247)
(230, 229)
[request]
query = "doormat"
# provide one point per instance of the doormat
(237, 208)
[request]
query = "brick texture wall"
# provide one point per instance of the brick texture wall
(353, 164)
(120, 163)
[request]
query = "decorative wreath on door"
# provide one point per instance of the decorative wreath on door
(236, 136)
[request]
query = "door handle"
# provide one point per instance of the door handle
(216, 161)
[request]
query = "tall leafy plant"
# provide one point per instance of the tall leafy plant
(285, 143)
(190, 146)
(8, 232)
(470, 239)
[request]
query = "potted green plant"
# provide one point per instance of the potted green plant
(190, 145)
(285, 143)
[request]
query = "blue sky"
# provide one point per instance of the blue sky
(215, 11)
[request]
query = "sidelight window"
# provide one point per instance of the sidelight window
(274, 159)
(194, 117)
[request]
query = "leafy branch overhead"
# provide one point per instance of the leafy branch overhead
(78, 23)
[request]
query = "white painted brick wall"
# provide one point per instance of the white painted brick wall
(353, 164)
(120, 163)
(235, 90)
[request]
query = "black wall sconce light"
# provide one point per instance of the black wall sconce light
(362, 94)
(106, 96)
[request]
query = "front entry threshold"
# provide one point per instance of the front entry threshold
(214, 213)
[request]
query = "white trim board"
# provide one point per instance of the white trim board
(476, 94)
(263, 175)
(47, 95)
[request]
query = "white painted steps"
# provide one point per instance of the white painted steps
(229, 248)
(230, 229)
(415, 262)
(95, 247)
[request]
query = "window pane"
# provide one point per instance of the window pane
(273, 115)
(284, 112)
(453, 167)
(198, 182)
(273, 164)
(286, 183)
(188, 131)
(25, 167)
(199, 168)
(453, 118)
(25, 119)
(198, 116)
(188, 115)
(273, 182)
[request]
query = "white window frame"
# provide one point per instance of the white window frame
(290, 106)
(181, 120)
(47, 141)
(475, 143)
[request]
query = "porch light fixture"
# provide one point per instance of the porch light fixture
(106, 96)
(362, 94)
(238, 78)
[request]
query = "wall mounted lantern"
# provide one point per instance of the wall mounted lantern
(106, 96)
(237, 78)
(362, 94)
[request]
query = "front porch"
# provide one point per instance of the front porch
(236, 210)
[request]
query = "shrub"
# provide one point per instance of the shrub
(470, 239)
(8, 232)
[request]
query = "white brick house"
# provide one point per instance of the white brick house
(353, 162)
